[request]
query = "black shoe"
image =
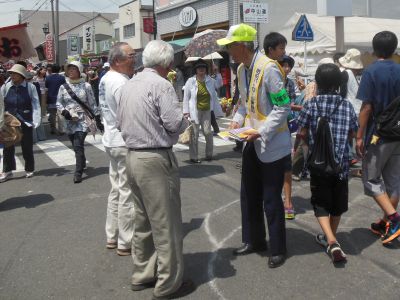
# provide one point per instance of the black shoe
(249, 248)
(195, 161)
(185, 289)
(143, 286)
(77, 178)
(276, 261)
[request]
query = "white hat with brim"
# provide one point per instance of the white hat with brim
(19, 69)
(239, 33)
(76, 64)
(352, 60)
(326, 60)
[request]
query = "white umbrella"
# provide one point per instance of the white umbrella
(191, 59)
(212, 56)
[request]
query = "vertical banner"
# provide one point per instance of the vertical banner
(88, 38)
(15, 43)
(49, 48)
(73, 44)
(148, 25)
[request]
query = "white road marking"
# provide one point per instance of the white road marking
(95, 141)
(216, 245)
(60, 154)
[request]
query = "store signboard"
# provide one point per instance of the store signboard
(73, 44)
(187, 16)
(88, 38)
(49, 48)
(255, 12)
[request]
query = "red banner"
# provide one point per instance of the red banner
(148, 26)
(15, 43)
(49, 48)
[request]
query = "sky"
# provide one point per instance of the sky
(9, 9)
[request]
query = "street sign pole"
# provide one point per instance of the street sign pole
(305, 57)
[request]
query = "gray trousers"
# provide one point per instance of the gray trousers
(120, 208)
(154, 178)
(205, 123)
(381, 170)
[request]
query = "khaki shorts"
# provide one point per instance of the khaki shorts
(381, 170)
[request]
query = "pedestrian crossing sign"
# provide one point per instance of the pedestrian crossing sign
(303, 31)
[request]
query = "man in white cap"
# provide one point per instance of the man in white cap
(265, 106)
(21, 100)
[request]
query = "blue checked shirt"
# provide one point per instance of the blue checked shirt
(342, 122)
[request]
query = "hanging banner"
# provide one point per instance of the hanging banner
(73, 44)
(148, 25)
(88, 38)
(15, 43)
(49, 48)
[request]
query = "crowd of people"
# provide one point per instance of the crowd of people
(142, 120)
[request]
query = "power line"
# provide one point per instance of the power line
(74, 11)
(29, 16)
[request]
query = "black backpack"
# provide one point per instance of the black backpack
(388, 122)
(322, 159)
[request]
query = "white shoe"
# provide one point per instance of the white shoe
(6, 176)
(29, 174)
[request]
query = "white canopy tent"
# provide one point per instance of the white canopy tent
(359, 32)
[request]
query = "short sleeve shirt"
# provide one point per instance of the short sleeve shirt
(343, 121)
(380, 84)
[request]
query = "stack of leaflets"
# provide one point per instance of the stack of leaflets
(239, 134)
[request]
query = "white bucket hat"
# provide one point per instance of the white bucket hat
(19, 69)
(326, 60)
(76, 64)
(352, 60)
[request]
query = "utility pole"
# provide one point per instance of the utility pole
(53, 25)
(369, 12)
(57, 33)
(154, 21)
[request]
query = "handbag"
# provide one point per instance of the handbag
(90, 117)
(184, 138)
(11, 132)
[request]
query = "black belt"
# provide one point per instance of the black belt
(150, 149)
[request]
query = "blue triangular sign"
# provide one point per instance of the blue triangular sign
(303, 31)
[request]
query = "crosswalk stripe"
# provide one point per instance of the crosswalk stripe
(60, 154)
(18, 163)
(217, 142)
(180, 147)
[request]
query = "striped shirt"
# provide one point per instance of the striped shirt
(148, 114)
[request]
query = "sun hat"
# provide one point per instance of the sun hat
(19, 69)
(239, 33)
(106, 65)
(352, 60)
(76, 64)
(200, 63)
(326, 60)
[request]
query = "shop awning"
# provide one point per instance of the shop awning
(181, 42)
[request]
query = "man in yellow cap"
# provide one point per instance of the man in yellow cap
(265, 106)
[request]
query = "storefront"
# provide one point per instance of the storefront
(178, 21)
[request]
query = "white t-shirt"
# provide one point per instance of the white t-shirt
(109, 95)
(352, 88)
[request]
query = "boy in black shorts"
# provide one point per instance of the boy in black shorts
(329, 193)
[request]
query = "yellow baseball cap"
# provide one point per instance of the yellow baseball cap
(239, 33)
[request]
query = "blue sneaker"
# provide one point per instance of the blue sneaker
(392, 233)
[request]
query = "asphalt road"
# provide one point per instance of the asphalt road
(53, 241)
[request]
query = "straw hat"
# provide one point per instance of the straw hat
(19, 69)
(352, 60)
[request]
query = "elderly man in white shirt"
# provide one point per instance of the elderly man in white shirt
(151, 120)
(120, 208)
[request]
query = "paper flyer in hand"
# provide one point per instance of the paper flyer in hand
(239, 134)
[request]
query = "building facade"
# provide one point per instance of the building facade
(130, 25)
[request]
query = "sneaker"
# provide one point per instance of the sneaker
(321, 240)
(379, 228)
(6, 176)
(29, 174)
(392, 233)
(336, 253)
(289, 214)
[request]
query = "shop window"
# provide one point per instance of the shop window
(129, 30)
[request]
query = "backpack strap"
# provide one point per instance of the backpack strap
(76, 98)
